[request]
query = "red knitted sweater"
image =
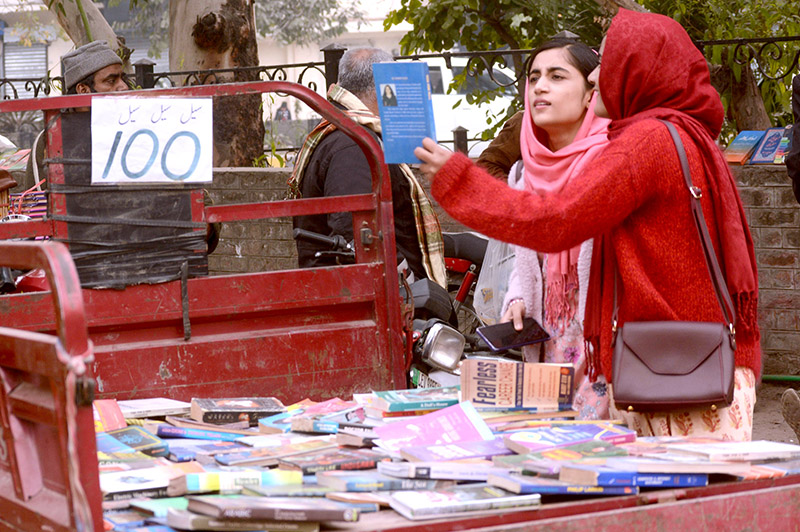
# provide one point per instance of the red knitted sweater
(640, 200)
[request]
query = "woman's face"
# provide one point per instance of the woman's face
(594, 78)
(387, 91)
(557, 93)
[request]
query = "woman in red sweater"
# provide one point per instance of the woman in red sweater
(633, 200)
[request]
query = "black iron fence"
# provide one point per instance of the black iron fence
(762, 54)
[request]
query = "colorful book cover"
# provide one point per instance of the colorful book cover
(549, 462)
(405, 105)
(230, 481)
(456, 423)
(415, 399)
(282, 422)
(766, 149)
(184, 450)
(283, 508)
(455, 451)
(542, 438)
(152, 407)
(139, 439)
(600, 475)
(742, 147)
(784, 147)
(332, 460)
(159, 507)
(523, 484)
(165, 430)
(431, 504)
(108, 444)
(230, 409)
(330, 423)
(107, 415)
(508, 385)
(372, 481)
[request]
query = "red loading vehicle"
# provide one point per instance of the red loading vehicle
(291, 334)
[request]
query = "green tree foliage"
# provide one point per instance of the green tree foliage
(287, 21)
(478, 25)
(707, 20)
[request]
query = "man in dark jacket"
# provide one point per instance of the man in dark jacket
(338, 167)
(793, 158)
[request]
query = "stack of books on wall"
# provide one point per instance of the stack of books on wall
(760, 147)
(255, 464)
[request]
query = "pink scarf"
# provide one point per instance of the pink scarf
(547, 172)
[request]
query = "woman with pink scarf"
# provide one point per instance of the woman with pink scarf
(560, 135)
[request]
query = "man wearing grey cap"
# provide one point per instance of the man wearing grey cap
(93, 67)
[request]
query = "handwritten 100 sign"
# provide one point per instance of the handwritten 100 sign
(151, 140)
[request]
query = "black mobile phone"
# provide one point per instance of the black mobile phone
(503, 335)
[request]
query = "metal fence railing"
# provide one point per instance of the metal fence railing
(761, 54)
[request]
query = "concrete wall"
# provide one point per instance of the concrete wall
(772, 211)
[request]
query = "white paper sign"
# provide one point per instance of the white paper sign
(151, 140)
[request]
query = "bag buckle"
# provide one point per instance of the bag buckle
(696, 192)
(732, 335)
(613, 333)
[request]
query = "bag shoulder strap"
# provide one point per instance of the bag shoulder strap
(720, 286)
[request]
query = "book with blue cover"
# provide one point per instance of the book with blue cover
(742, 147)
(768, 147)
(524, 484)
(406, 108)
(600, 475)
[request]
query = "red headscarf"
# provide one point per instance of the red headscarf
(653, 70)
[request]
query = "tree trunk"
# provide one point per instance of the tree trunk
(217, 34)
(98, 28)
(747, 108)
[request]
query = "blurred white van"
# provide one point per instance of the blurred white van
(472, 117)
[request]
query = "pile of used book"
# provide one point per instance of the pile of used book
(504, 440)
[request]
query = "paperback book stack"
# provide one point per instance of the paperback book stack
(312, 467)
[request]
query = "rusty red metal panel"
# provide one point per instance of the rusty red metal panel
(48, 465)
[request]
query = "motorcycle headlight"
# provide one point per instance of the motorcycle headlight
(442, 346)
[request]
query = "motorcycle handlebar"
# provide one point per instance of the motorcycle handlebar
(335, 242)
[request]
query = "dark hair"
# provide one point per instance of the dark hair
(88, 81)
(579, 55)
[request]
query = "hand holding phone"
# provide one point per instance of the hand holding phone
(503, 335)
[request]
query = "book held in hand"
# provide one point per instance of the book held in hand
(406, 108)
(508, 385)
(229, 410)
